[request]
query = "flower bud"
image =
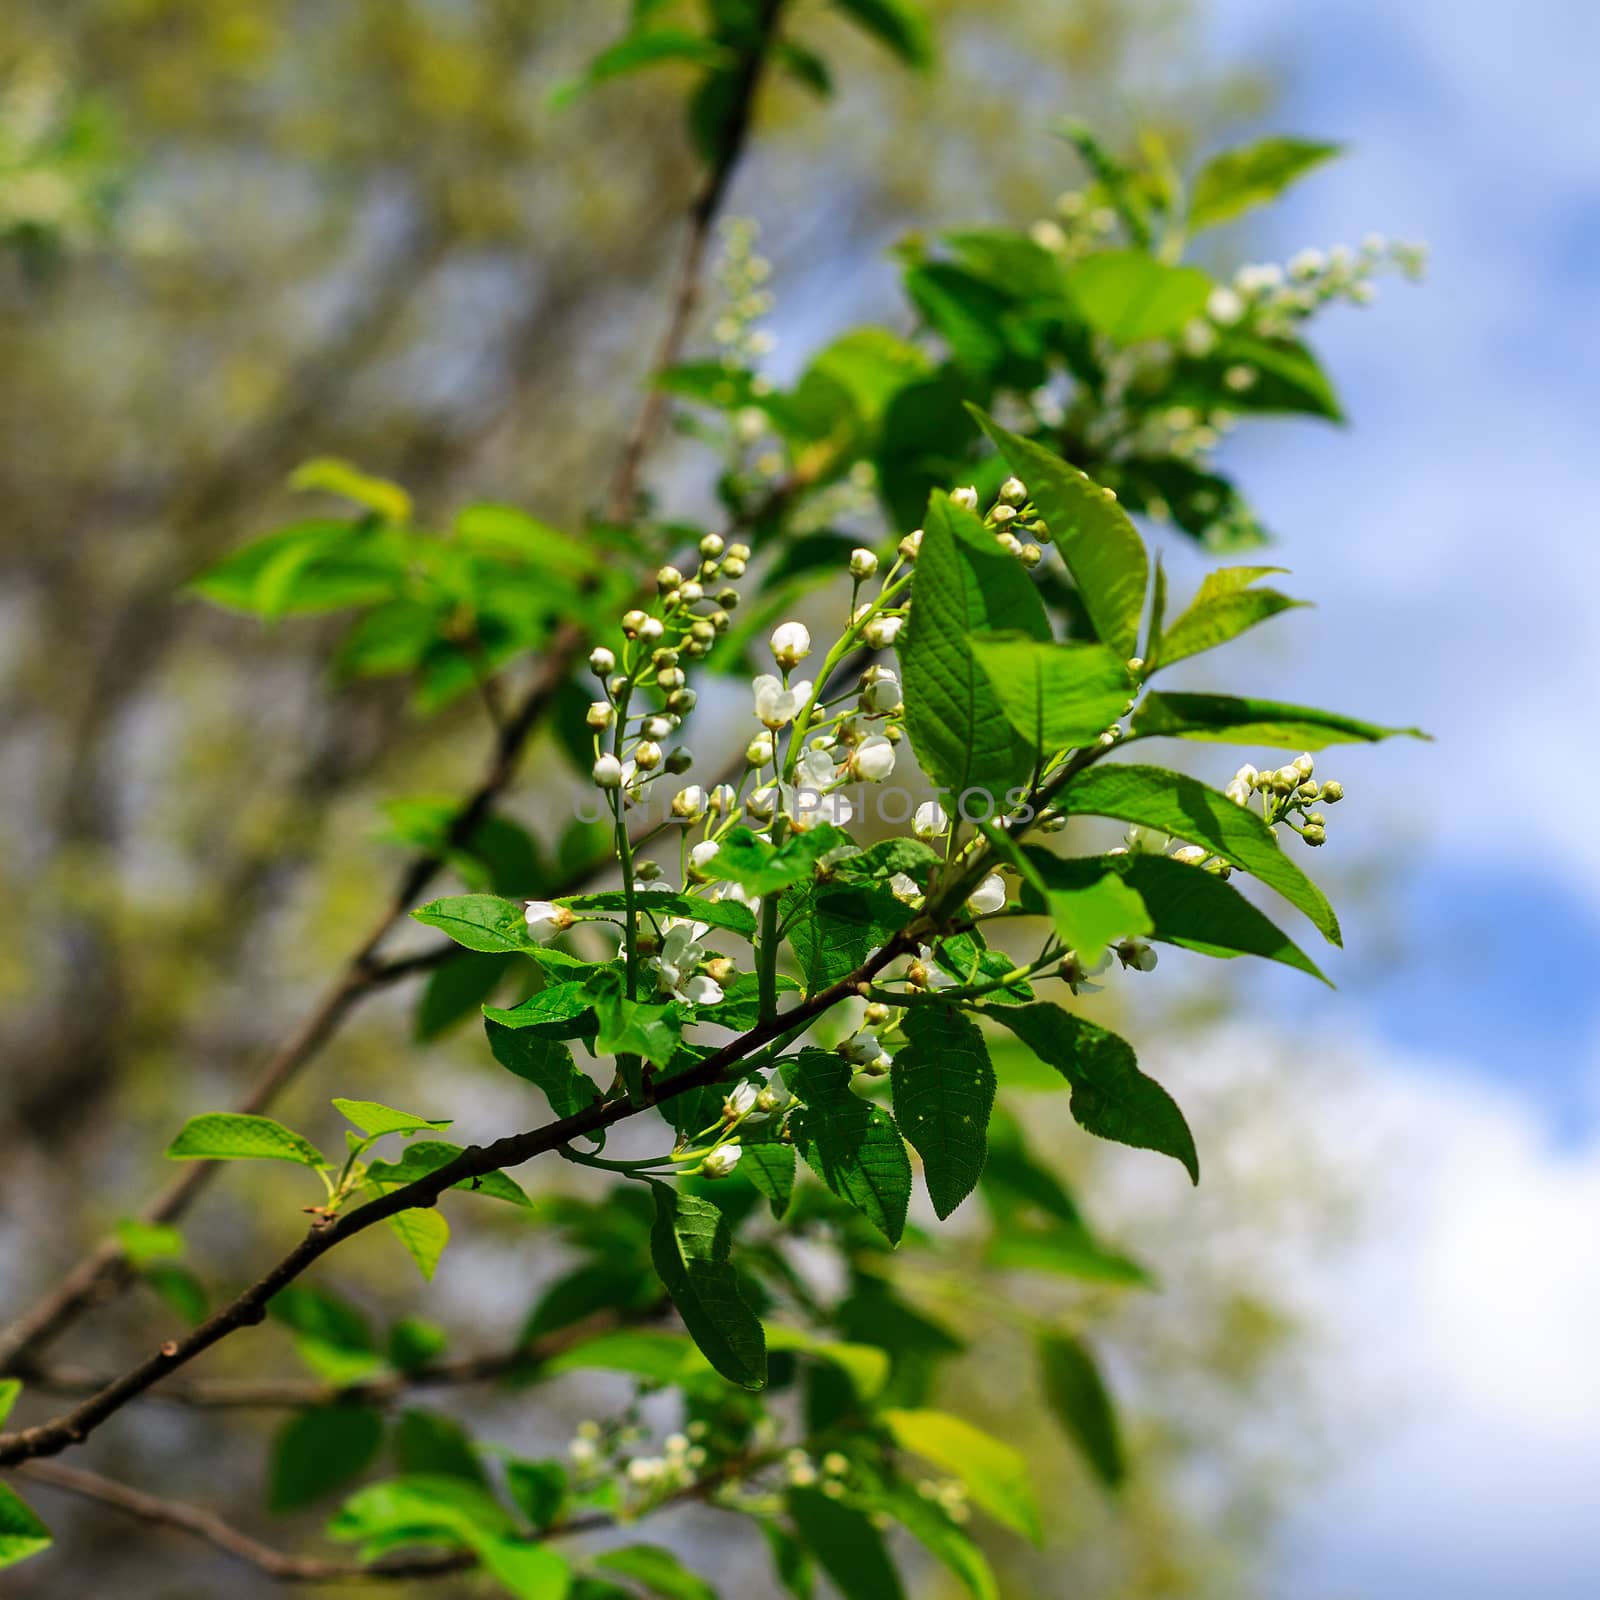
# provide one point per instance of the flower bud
(929, 820)
(691, 592)
(668, 578)
(1137, 954)
(759, 751)
(1315, 818)
(703, 852)
(646, 755)
(875, 1015)
(712, 546)
(863, 563)
(651, 629)
(679, 760)
(966, 498)
(1010, 543)
(656, 727)
(682, 701)
(733, 567)
(1013, 492)
(632, 622)
(601, 661)
(791, 644)
(647, 871)
(882, 632)
(721, 1161)
(608, 772)
(739, 552)
(703, 631)
(617, 685)
(600, 714)
(1307, 791)
(728, 599)
(1332, 792)
(1030, 555)
(917, 975)
(723, 798)
(872, 759)
(911, 546)
(1314, 835)
(670, 678)
(1304, 765)
(1002, 514)
(1191, 855)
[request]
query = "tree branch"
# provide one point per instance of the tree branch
(104, 1271)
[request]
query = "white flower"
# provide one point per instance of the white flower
(1191, 855)
(862, 1048)
(883, 693)
(1136, 953)
(646, 1470)
(608, 772)
(791, 643)
(809, 809)
(743, 1099)
(873, 759)
(703, 852)
(721, 1161)
(544, 918)
(776, 705)
(1246, 775)
(815, 770)
(929, 820)
(904, 887)
(690, 803)
(882, 632)
(1304, 765)
(1076, 973)
(681, 952)
(1238, 792)
(1307, 263)
(1224, 307)
(988, 897)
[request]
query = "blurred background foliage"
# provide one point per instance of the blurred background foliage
(238, 233)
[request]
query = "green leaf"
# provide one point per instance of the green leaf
(22, 1534)
(1238, 180)
(771, 1169)
(1096, 537)
(658, 903)
(1065, 1251)
(480, 922)
(995, 1474)
(691, 1245)
(559, 1011)
(651, 48)
(656, 1356)
(1119, 180)
(180, 1289)
(1186, 808)
(900, 25)
(1077, 1394)
(1110, 1096)
(435, 1445)
(1231, 719)
(847, 1546)
(420, 1510)
(528, 1571)
(320, 1450)
(1057, 696)
(375, 1120)
(833, 928)
(940, 1537)
(310, 567)
(414, 1343)
(1190, 907)
(10, 1388)
(506, 531)
(538, 1489)
(144, 1243)
(424, 1233)
(758, 868)
(865, 1365)
(881, 861)
(234, 1136)
(1284, 377)
(456, 989)
(853, 1147)
(545, 1063)
(332, 476)
(943, 1094)
(1130, 296)
(965, 584)
(1225, 607)
(332, 1336)
(1095, 915)
(427, 1156)
(790, 1563)
(632, 1027)
(657, 1571)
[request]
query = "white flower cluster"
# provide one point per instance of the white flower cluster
(740, 274)
(1011, 516)
(1271, 299)
(1290, 795)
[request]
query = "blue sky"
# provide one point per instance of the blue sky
(1449, 538)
